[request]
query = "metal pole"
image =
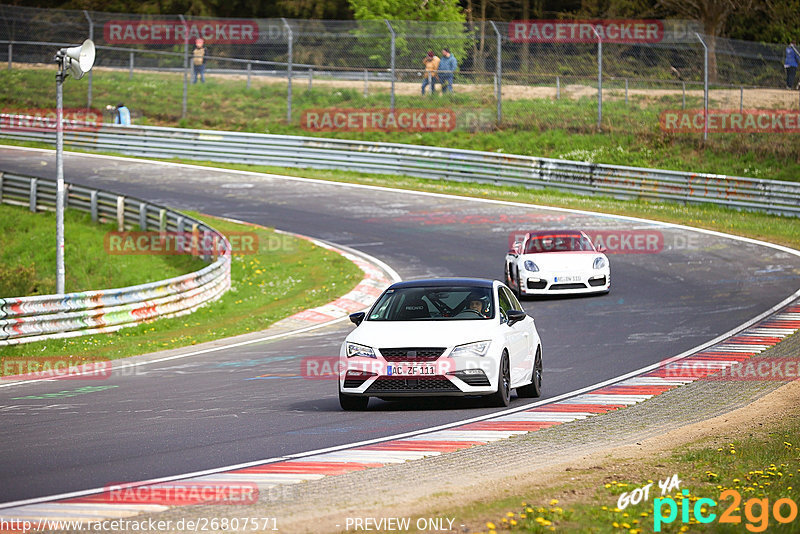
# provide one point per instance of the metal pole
(366, 83)
(249, 70)
(130, 71)
(705, 86)
(60, 270)
(741, 99)
(499, 73)
(310, 77)
(185, 66)
(392, 62)
(626, 91)
(290, 42)
(558, 87)
(599, 78)
(91, 37)
(10, 55)
(684, 95)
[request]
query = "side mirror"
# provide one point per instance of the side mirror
(515, 316)
(513, 252)
(357, 317)
(602, 250)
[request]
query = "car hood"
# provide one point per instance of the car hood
(443, 333)
(565, 261)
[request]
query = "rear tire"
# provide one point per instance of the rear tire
(534, 389)
(502, 397)
(353, 403)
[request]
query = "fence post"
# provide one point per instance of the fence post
(499, 73)
(249, 70)
(290, 43)
(11, 55)
(391, 30)
(741, 99)
(626, 91)
(91, 36)
(366, 83)
(705, 86)
(684, 95)
(599, 78)
(93, 204)
(310, 77)
(185, 66)
(558, 87)
(130, 72)
(120, 213)
(32, 201)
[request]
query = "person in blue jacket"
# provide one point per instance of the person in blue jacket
(447, 66)
(122, 116)
(792, 58)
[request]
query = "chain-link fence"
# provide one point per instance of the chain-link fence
(578, 76)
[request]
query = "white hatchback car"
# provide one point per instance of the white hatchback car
(557, 262)
(441, 337)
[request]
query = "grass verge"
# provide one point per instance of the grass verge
(747, 482)
(565, 128)
(28, 256)
(267, 286)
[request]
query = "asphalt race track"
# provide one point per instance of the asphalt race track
(248, 403)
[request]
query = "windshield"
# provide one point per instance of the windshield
(434, 304)
(558, 243)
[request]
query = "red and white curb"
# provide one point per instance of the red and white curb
(267, 475)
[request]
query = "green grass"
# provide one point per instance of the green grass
(28, 256)
(760, 463)
(564, 128)
(267, 286)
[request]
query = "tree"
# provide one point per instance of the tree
(430, 24)
(713, 15)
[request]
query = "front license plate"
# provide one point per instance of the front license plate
(567, 279)
(410, 369)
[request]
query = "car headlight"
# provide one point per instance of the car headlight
(599, 262)
(530, 266)
(478, 348)
(354, 349)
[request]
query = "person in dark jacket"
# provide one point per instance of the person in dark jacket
(790, 62)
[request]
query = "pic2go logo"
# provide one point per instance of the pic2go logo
(756, 511)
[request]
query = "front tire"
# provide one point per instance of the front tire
(353, 403)
(534, 389)
(502, 397)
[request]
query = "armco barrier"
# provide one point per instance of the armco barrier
(27, 319)
(770, 196)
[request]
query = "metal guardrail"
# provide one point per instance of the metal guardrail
(771, 196)
(27, 319)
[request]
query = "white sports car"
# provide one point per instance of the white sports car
(441, 337)
(557, 262)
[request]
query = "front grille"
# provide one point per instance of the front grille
(568, 286)
(596, 282)
(541, 284)
(434, 384)
(412, 354)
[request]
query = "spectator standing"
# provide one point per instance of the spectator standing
(431, 62)
(790, 62)
(199, 61)
(447, 67)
